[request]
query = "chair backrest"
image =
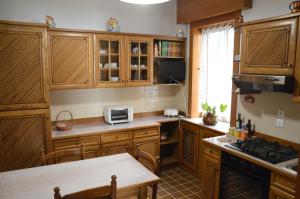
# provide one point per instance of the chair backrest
(59, 156)
(105, 192)
(150, 162)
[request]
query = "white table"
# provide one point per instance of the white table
(38, 182)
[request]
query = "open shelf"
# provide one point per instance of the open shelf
(169, 141)
(168, 160)
(167, 57)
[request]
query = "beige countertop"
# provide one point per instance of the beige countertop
(99, 128)
(90, 128)
(39, 182)
(214, 141)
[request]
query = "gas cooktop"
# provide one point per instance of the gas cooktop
(272, 152)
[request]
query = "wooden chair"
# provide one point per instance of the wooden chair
(105, 192)
(151, 163)
(57, 156)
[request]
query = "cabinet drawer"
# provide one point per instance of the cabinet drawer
(65, 143)
(116, 148)
(284, 183)
(115, 137)
(74, 142)
(190, 127)
(90, 140)
(213, 152)
(145, 133)
(276, 193)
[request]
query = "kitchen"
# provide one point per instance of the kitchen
(80, 66)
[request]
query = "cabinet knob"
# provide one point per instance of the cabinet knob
(290, 65)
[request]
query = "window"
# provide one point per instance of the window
(216, 56)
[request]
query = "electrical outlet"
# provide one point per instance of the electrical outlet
(280, 114)
(279, 123)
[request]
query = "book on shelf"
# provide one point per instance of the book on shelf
(168, 49)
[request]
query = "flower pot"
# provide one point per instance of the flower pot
(210, 120)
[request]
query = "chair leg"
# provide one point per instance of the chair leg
(154, 191)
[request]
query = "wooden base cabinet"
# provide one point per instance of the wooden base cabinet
(150, 145)
(189, 146)
(22, 136)
(211, 172)
(276, 193)
(204, 134)
(116, 148)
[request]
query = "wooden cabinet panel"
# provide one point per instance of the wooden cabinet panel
(276, 193)
(151, 132)
(189, 146)
(211, 178)
(150, 145)
(297, 69)
(116, 148)
(139, 61)
(91, 151)
(109, 61)
(205, 149)
(70, 60)
(284, 183)
(23, 75)
(269, 48)
(115, 137)
(22, 136)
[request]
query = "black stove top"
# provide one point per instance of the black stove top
(269, 151)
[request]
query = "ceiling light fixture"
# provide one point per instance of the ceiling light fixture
(145, 1)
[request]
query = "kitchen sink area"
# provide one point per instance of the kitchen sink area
(291, 165)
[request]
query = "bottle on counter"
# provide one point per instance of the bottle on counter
(249, 128)
(240, 121)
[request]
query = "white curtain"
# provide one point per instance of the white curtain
(215, 72)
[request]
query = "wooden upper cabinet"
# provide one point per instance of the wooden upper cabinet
(109, 61)
(70, 59)
(269, 47)
(22, 136)
(139, 61)
(23, 75)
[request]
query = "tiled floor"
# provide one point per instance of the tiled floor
(177, 183)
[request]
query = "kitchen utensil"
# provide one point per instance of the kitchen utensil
(114, 79)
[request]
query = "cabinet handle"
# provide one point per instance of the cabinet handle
(290, 65)
(117, 137)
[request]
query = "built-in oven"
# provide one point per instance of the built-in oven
(241, 179)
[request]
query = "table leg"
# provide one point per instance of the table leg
(143, 193)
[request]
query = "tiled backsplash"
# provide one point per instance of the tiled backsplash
(90, 102)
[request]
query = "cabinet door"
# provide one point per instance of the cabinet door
(116, 148)
(211, 178)
(23, 75)
(189, 144)
(276, 193)
(109, 58)
(22, 136)
(204, 134)
(91, 151)
(150, 145)
(70, 60)
(139, 60)
(269, 48)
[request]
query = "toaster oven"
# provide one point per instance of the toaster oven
(117, 114)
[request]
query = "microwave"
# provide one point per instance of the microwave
(117, 114)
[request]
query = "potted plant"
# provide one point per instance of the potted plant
(210, 117)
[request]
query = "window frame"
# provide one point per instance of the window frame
(195, 49)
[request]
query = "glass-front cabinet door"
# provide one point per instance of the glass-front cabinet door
(109, 67)
(139, 61)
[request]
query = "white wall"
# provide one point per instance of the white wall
(92, 14)
(264, 112)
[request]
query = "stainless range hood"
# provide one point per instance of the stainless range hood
(254, 84)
